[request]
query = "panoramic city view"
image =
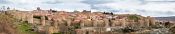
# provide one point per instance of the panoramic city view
(87, 17)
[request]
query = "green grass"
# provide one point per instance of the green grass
(24, 27)
(56, 33)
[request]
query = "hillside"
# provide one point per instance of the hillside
(172, 18)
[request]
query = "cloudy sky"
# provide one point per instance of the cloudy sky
(156, 8)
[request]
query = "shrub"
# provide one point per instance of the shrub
(25, 28)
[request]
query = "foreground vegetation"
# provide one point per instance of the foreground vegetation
(25, 28)
(10, 25)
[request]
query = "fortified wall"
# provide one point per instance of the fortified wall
(51, 21)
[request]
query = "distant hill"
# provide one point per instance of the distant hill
(172, 18)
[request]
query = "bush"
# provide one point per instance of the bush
(77, 26)
(37, 17)
(25, 28)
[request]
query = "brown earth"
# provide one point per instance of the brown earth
(6, 26)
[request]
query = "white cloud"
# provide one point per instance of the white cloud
(46, 4)
(159, 6)
(25, 1)
(42, 1)
(59, 6)
(142, 7)
(149, 9)
(69, 0)
(159, 0)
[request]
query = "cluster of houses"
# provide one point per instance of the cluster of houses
(52, 21)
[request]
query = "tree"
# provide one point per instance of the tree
(8, 8)
(38, 8)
